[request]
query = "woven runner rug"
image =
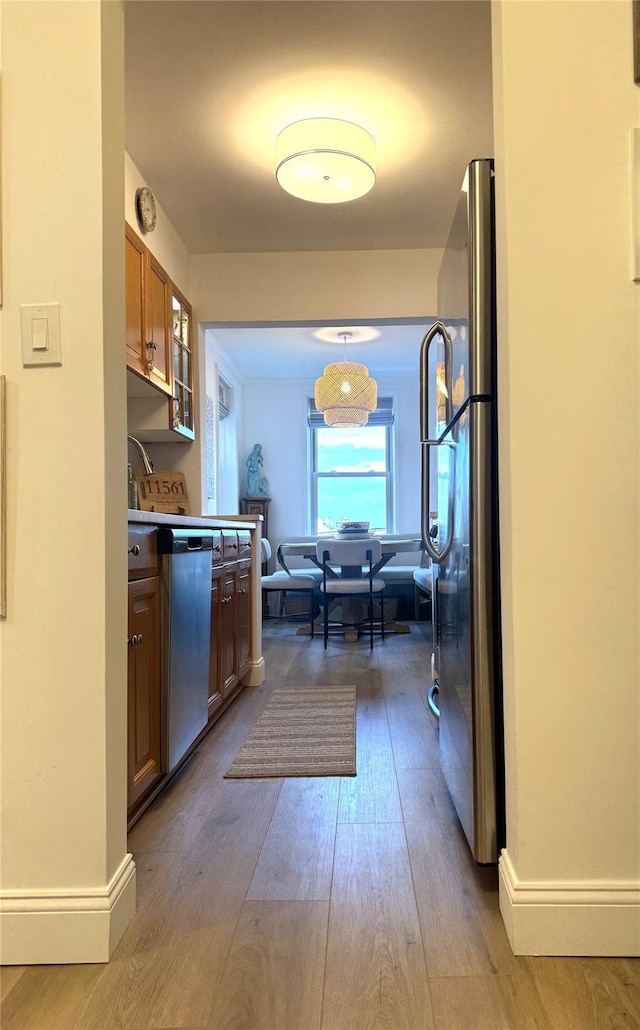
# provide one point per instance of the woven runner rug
(306, 731)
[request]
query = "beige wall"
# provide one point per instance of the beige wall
(163, 242)
(569, 331)
(68, 885)
(309, 286)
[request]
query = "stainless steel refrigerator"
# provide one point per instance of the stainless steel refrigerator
(460, 516)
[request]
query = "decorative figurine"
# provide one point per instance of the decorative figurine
(257, 484)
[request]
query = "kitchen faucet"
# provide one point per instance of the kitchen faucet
(146, 460)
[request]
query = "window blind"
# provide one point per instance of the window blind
(382, 416)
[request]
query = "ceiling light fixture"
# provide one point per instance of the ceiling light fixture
(325, 160)
(345, 392)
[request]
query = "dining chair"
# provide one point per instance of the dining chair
(347, 574)
(286, 583)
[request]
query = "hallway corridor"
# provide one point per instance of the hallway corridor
(320, 904)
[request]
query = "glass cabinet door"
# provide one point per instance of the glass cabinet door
(183, 414)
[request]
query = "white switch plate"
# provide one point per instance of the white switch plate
(40, 333)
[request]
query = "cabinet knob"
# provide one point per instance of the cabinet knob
(136, 640)
(135, 550)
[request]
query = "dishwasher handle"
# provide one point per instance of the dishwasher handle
(183, 541)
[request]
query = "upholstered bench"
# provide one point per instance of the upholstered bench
(422, 588)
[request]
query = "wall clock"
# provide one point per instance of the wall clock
(146, 208)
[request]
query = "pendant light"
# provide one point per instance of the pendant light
(325, 160)
(345, 392)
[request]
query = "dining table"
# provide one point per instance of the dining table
(390, 546)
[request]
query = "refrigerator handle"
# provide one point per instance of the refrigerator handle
(436, 328)
(436, 555)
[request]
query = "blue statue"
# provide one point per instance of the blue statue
(256, 483)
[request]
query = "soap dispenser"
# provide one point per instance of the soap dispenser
(132, 489)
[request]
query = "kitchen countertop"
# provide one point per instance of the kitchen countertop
(156, 518)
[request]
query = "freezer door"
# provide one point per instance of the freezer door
(464, 631)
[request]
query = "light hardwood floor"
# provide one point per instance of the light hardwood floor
(320, 904)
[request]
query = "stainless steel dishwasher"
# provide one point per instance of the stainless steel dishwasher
(185, 572)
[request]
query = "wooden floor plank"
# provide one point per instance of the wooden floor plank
(462, 930)
(177, 816)
(375, 973)
(9, 976)
(588, 994)
(372, 795)
(490, 1003)
(165, 971)
(49, 997)
(274, 974)
(296, 861)
(413, 736)
(409, 912)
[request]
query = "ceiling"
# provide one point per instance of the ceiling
(210, 84)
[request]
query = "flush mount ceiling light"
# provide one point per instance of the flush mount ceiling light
(325, 160)
(345, 392)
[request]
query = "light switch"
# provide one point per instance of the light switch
(40, 332)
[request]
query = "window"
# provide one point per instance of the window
(351, 471)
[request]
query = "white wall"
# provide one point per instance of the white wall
(275, 415)
(68, 884)
(569, 329)
(315, 286)
(164, 242)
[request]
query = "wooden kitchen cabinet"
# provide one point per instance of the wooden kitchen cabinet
(230, 621)
(143, 667)
(149, 330)
(215, 685)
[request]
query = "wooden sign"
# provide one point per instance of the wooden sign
(164, 492)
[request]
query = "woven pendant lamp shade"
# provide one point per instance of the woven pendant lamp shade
(346, 394)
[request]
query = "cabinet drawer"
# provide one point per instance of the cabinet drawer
(244, 543)
(143, 551)
(216, 548)
(229, 544)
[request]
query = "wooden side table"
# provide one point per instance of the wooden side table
(257, 506)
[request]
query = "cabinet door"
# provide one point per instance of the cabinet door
(243, 616)
(148, 314)
(158, 322)
(135, 259)
(143, 688)
(215, 658)
(183, 407)
(228, 649)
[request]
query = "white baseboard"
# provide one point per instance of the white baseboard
(255, 674)
(49, 927)
(599, 917)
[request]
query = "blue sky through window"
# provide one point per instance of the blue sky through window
(349, 493)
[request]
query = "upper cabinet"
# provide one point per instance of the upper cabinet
(148, 306)
(182, 365)
(159, 349)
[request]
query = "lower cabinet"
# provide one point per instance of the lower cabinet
(230, 632)
(144, 742)
(243, 616)
(230, 654)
